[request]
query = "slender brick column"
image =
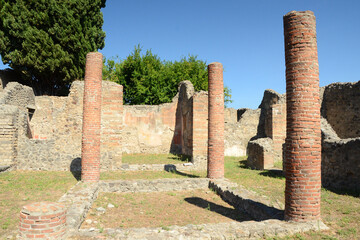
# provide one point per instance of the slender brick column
(90, 152)
(303, 136)
(216, 122)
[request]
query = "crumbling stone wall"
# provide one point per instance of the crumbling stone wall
(340, 128)
(15, 100)
(8, 134)
(266, 147)
(56, 126)
(341, 108)
(149, 129)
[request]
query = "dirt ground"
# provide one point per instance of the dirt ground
(160, 209)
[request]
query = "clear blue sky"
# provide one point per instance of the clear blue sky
(245, 36)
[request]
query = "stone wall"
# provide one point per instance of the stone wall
(340, 128)
(8, 134)
(240, 126)
(266, 147)
(56, 129)
(341, 108)
(149, 129)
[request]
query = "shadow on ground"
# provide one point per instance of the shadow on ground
(231, 213)
(172, 168)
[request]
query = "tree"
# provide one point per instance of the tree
(149, 80)
(47, 40)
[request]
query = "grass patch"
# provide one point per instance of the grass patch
(142, 158)
(160, 209)
(18, 188)
(340, 211)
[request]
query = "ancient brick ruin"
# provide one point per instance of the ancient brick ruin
(215, 167)
(90, 149)
(303, 137)
(314, 131)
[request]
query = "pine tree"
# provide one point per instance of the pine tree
(47, 40)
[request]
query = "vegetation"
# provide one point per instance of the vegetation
(149, 80)
(47, 41)
(340, 210)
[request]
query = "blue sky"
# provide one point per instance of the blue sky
(245, 36)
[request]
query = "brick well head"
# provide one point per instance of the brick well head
(43, 220)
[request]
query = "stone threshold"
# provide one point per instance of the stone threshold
(268, 216)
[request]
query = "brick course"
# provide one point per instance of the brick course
(43, 220)
(216, 122)
(90, 151)
(303, 138)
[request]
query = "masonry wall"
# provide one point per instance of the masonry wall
(8, 134)
(341, 108)
(340, 128)
(56, 129)
(150, 129)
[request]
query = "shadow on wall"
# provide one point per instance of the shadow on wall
(75, 168)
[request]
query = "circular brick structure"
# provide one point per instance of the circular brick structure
(216, 121)
(43, 220)
(90, 151)
(303, 134)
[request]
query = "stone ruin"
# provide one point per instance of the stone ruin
(340, 130)
(52, 133)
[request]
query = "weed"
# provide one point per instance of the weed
(165, 228)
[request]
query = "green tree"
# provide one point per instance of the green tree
(47, 40)
(149, 80)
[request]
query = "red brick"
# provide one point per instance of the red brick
(216, 122)
(302, 145)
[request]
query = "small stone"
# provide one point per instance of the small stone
(88, 221)
(9, 237)
(110, 205)
(92, 229)
(100, 209)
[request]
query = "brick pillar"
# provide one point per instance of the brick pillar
(90, 151)
(43, 220)
(200, 129)
(111, 121)
(303, 136)
(216, 122)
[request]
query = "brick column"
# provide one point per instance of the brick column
(303, 136)
(43, 220)
(111, 121)
(216, 122)
(90, 151)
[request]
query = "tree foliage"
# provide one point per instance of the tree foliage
(47, 40)
(149, 80)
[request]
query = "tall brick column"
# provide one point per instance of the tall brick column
(216, 122)
(303, 136)
(90, 151)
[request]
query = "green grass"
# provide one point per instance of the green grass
(340, 210)
(141, 158)
(18, 188)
